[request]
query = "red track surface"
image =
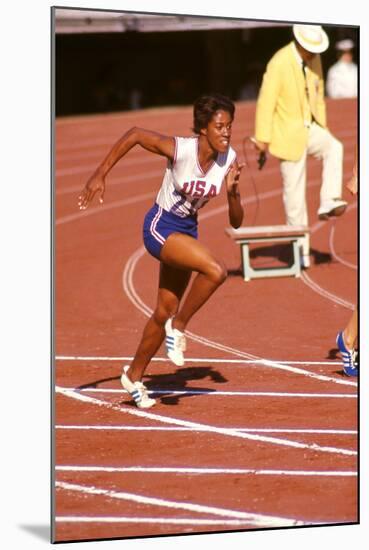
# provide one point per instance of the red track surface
(295, 458)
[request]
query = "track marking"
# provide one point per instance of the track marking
(191, 360)
(317, 288)
(155, 521)
(131, 293)
(181, 429)
(116, 180)
(329, 295)
(101, 209)
(221, 393)
(255, 519)
(204, 471)
(90, 168)
(333, 250)
(205, 427)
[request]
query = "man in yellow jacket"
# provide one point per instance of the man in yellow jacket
(291, 123)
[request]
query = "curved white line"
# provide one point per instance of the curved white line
(203, 216)
(132, 295)
(329, 295)
(317, 288)
(333, 250)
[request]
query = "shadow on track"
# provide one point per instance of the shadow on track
(162, 386)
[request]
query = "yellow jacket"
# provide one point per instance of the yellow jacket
(283, 110)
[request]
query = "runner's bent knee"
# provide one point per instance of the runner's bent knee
(164, 311)
(216, 271)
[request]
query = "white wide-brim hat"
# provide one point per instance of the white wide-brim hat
(312, 38)
(345, 45)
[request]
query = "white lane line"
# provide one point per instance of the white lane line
(256, 519)
(222, 393)
(192, 360)
(149, 520)
(116, 180)
(204, 471)
(317, 288)
(103, 208)
(333, 250)
(90, 168)
(196, 425)
(181, 429)
(325, 293)
(131, 293)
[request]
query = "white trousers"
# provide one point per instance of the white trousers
(325, 147)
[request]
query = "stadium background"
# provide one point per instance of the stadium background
(116, 61)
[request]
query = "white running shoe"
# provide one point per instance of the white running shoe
(331, 208)
(137, 391)
(175, 343)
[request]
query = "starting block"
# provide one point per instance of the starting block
(292, 234)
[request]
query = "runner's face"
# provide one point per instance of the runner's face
(219, 130)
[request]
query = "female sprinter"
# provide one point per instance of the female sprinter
(196, 169)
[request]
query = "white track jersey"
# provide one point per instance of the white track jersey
(185, 187)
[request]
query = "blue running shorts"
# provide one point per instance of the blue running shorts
(159, 224)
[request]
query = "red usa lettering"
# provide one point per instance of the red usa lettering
(197, 189)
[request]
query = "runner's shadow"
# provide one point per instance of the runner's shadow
(97, 383)
(333, 354)
(162, 386)
(178, 381)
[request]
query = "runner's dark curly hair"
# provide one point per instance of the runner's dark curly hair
(206, 106)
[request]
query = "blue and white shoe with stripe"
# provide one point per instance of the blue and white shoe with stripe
(175, 343)
(137, 391)
(348, 356)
